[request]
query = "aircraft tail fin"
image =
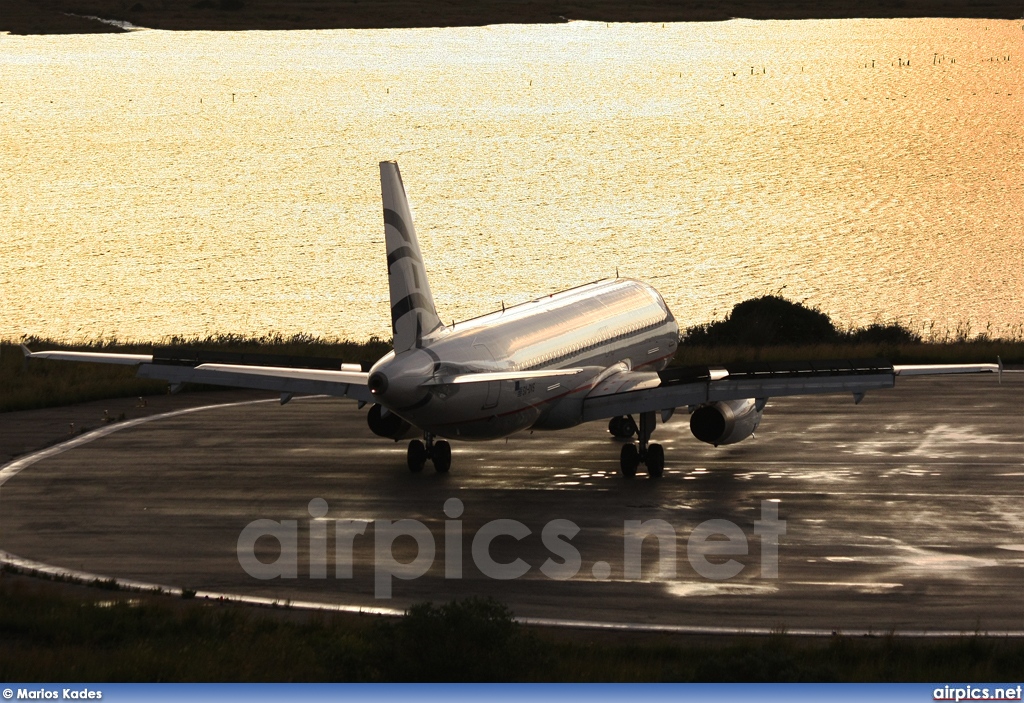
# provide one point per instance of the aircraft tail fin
(413, 314)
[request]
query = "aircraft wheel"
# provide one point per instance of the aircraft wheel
(416, 456)
(621, 427)
(442, 457)
(655, 461)
(629, 459)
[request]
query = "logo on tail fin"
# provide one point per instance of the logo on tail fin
(413, 314)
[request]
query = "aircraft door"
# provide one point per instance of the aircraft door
(493, 387)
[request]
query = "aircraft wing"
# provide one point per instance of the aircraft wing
(282, 374)
(632, 392)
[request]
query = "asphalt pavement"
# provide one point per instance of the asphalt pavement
(902, 514)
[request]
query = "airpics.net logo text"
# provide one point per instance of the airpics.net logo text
(710, 547)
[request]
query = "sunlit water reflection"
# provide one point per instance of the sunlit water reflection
(159, 183)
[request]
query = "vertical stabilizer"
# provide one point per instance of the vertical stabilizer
(412, 306)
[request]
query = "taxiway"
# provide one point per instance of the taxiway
(904, 513)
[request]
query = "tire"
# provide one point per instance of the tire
(416, 456)
(621, 427)
(629, 459)
(442, 457)
(655, 461)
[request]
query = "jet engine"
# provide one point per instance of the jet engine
(726, 422)
(385, 423)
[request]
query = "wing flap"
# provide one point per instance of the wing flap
(316, 375)
(629, 392)
(644, 395)
(344, 384)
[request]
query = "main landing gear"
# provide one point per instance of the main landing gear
(439, 452)
(651, 455)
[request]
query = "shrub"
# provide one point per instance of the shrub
(765, 321)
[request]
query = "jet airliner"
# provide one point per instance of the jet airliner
(596, 352)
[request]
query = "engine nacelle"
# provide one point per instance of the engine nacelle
(385, 423)
(726, 422)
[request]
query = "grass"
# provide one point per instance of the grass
(51, 635)
(46, 384)
(971, 351)
(768, 328)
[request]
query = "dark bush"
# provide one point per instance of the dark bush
(765, 321)
(891, 333)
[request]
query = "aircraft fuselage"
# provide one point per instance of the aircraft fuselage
(593, 327)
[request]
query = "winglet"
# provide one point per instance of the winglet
(27, 354)
(999, 361)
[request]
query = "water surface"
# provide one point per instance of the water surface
(159, 183)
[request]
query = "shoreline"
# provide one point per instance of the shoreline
(82, 16)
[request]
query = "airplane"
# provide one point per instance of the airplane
(600, 351)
